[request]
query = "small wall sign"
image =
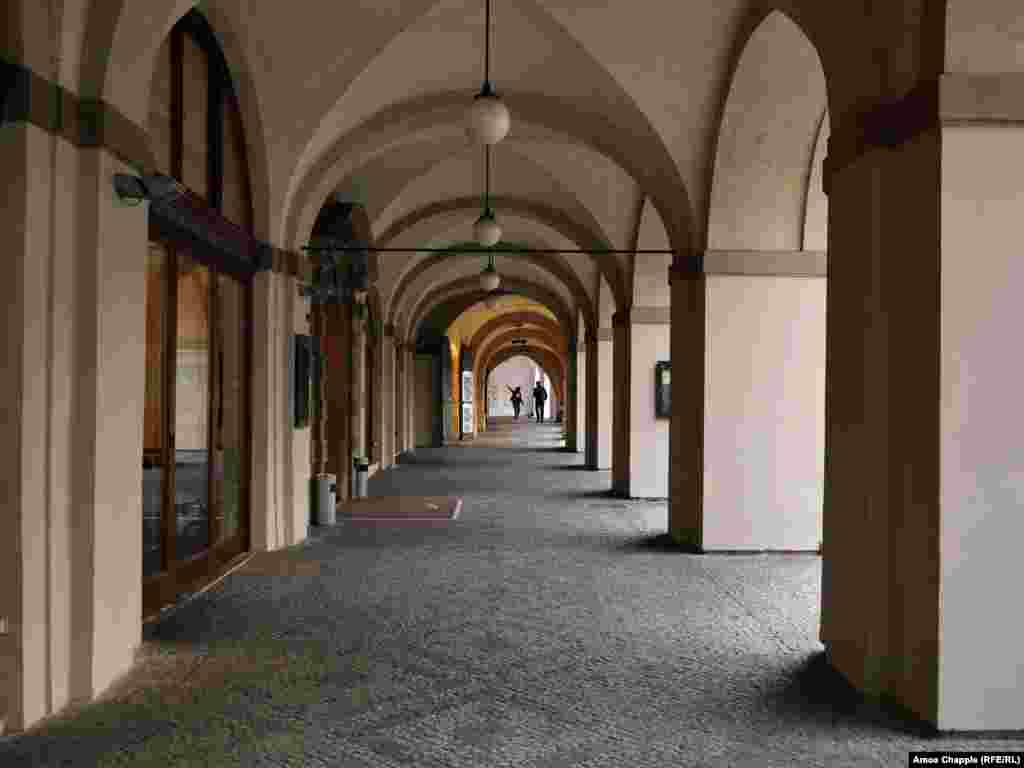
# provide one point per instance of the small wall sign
(662, 389)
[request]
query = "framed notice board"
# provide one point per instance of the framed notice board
(662, 389)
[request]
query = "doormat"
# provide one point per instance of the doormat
(281, 563)
(400, 510)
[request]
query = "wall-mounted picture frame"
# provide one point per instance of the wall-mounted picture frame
(467, 386)
(662, 389)
(467, 419)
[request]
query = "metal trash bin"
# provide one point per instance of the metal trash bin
(360, 475)
(325, 498)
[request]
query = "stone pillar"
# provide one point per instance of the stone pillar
(446, 403)
(570, 394)
(686, 442)
(386, 412)
(923, 467)
(339, 359)
(71, 416)
(400, 396)
(409, 405)
(622, 340)
(604, 397)
(591, 413)
(640, 464)
(580, 404)
(357, 398)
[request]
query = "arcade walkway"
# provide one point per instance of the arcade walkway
(550, 625)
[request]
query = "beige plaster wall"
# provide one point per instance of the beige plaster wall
(764, 420)
(981, 670)
(281, 455)
(22, 650)
(649, 436)
(112, 242)
(984, 36)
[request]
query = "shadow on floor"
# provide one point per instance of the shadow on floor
(659, 543)
(816, 691)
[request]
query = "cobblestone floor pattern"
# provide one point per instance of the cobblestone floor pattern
(551, 626)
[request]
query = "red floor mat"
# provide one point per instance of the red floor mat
(400, 510)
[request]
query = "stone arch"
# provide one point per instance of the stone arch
(449, 301)
(121, 41)
(557, 268)
(542, 357)
(535, 337)
(763, 293)
(659, 178)
(768, 134)
(585, 235)
(533, 319)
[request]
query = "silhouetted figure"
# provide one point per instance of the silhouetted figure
(540, 396)
(517, 399)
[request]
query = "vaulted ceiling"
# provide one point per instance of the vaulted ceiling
(617, 138)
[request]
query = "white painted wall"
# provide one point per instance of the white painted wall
(981, 667)
(649, 437)
(514, 372)
(764, 425)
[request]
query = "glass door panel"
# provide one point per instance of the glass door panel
(154, 457)
(230, 408)
(192, 409)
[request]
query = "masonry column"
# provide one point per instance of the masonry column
(604, 358)
(70, 626)
(570, 387)
(357, 399)
(386, 411)
(686, 441)
(580, 404)
(400, 390)
(641, 439)
(337, 344)
(446, 403)
(591, 413)
(411, 395)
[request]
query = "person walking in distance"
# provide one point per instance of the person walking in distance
(540, 396)
(517, 399)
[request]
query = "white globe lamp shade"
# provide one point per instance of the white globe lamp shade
(489, 120)
(490, 280)
(486, 230)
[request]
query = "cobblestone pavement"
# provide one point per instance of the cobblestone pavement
(550, 626)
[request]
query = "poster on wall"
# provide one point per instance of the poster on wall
(467, 386)
(467, 418)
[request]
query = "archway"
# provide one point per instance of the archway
(197, 424)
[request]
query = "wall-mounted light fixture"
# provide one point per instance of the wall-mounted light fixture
(130, 189)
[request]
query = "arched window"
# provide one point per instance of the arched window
(197, 427)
